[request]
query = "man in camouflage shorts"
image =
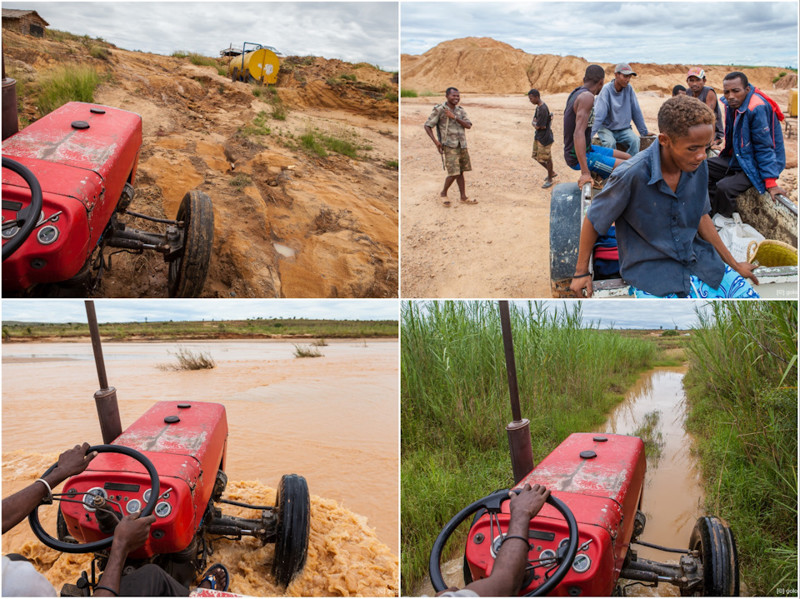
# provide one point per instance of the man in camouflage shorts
(451, 123)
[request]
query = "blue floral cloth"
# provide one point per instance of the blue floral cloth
(733, 285)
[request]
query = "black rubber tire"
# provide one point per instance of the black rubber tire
(565, 235)
(714, 541)
(293, 521)
(187, 272)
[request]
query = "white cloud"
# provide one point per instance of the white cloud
(753, 33)
(350, 31)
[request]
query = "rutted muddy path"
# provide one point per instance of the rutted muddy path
(332, 419)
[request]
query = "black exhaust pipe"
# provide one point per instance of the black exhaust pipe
(106, 398)
(519, 432)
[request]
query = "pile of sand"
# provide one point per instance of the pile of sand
(486, 66)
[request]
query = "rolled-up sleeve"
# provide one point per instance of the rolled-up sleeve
(610, 203)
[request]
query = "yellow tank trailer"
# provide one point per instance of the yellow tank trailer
(261, 64)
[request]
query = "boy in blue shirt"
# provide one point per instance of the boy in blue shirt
(658, 199)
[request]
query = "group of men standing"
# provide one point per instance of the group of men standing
(747, 149)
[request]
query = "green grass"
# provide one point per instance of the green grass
(71, 83)
(742, 395)
(454, 403)
(258, 126)
(392, 164)
(306, 351)
(203, 61)
(99, 52)
(189, 360)
(408, 93)
(310, 143)
(240, 180)
(207, 329)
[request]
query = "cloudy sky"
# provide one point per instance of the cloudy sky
(350, 31)
(126, 310)
(743, 33)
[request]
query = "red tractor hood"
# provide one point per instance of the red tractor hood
(186, 443)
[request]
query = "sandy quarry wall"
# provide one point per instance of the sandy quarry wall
(486, 66)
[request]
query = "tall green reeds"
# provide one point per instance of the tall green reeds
(69, 83)
(455, 402)
(742, 388)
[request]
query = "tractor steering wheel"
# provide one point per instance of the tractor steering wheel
(92, 546)
(491, 503)
(29, 215)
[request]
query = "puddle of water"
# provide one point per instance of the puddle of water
(673, 495)
(332, 419)
(284, 250)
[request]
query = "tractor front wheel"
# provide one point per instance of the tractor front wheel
(294, 516)
(713, 540)
(187, 272)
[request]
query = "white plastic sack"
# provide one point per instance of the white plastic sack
(736, 235)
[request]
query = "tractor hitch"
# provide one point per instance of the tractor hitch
(687, 575)
(263, 528)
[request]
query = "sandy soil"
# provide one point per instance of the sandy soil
(499, 247)
(297, 225)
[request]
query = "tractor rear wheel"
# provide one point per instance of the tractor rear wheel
(714, 542)
(187, 272)
(565, 235)
(294, 517)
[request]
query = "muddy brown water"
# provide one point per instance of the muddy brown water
(332, 419)
(673, 496)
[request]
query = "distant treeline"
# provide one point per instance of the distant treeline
(207, 329)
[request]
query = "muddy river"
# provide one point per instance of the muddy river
(333, 419)
(673, 497)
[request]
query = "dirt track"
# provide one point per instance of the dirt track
(499, 247)
(287, 223)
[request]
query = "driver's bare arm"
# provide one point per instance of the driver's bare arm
(17, 506)
(509, 567)
(130, 534)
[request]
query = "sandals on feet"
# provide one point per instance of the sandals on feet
(446, 203)
(218, 577)
(469, 201)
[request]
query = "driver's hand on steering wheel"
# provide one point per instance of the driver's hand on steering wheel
(132, 532)
(528, 502)
(71, 462)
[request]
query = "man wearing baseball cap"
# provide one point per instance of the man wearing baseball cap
(615, 107)
(696, 80)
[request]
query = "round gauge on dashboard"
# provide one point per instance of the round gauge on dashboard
(146, 496)
(547, 557)
(88, 497)
(9, 232)
(163, 509)
(47, 234)
(134, 505)
(582, 563)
